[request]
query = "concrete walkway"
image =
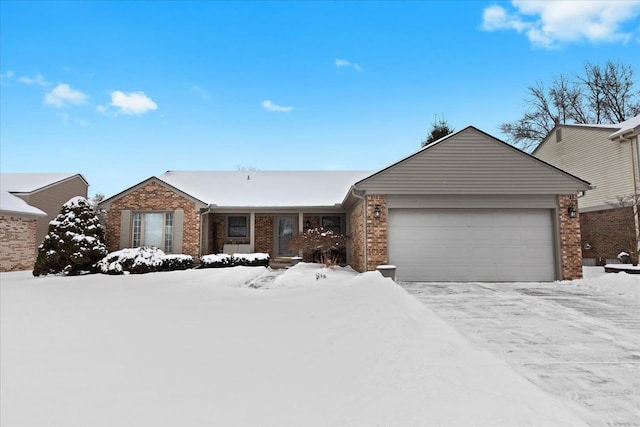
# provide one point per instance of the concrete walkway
(581, 346)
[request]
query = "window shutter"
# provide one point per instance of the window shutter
(125, 229)
(178, 231)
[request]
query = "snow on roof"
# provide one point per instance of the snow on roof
(592, 125)
(627, 126)
(265, 188)
(11, 203)
(29, 182)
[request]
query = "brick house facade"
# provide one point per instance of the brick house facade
(17, 242)
(606, 233)
(238, 211)
(153, 197)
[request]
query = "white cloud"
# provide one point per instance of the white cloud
(270, 106)
(550, 23)
(342, 63)
(63, 95)
(132, 103)
(37, 80)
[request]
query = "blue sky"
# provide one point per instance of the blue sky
(121, 91)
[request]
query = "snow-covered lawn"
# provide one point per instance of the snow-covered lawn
(313, 347)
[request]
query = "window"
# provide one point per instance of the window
(237, 226)
(333, 223)
(153, 229)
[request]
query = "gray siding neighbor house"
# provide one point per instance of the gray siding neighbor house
(466, 207)
(606, 156)
(29, 202)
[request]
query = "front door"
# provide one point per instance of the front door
(286, 228)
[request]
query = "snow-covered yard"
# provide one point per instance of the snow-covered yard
(244, 346)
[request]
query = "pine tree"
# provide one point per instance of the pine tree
(439, 129)
(75, 241)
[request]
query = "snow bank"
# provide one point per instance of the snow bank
(620, 284)
(200, 347)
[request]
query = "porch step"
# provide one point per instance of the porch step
(280, 262)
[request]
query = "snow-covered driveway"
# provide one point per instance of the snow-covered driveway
(579, 343)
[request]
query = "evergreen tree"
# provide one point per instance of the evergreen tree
(75, 241)
(439, 129)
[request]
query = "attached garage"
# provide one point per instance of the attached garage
(472, 244)
(468, 207)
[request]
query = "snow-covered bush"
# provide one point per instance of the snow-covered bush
(216, 261)
(226, 260)
(74, 243)
(134, 260)
(254, 260)
(321, 245)
(177, 262)
(143, 260)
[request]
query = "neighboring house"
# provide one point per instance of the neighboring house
(607, 157)
(17, 233)
(29, 202)
(466, 207)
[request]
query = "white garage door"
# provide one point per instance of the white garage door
(471, 244)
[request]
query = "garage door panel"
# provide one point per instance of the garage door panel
(473, 244)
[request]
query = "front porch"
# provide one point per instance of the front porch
(238, 231)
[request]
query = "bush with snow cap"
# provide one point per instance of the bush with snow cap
(257, 259)
(143, 260)
(74, 243)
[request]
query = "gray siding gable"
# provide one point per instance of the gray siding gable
(471, 162)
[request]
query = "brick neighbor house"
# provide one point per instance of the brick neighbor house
(606, 156)
(29, 202)
(466, 207)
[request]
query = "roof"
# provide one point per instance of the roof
(442, 140)
(265, 188)
(30, 182)
(631, 126)
(13, 204)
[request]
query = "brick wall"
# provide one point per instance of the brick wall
(376, 232)
(264, 234)
(17, 243)
(607, 232)
(355, 218)
(155, 197)
(570, 243)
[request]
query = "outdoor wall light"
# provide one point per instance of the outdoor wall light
(572, 211)
(307, 224)
(376, 211)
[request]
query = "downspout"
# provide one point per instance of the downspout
(353, 192)
(202, 237)
(635, 190)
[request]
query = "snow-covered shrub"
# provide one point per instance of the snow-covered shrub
(226, 260)
(624, 258)
(74, 243)
(177, 262)
(216, 261)
(143, 260)
(322, 245)
(257, 259)
(134, 260)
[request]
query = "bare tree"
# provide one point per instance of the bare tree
(603, 94)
